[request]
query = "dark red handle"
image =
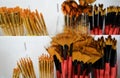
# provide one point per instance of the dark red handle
(107, 70)
(101, 73)
(92, 32)
(58, 74)
(97, 73)
(100, 32)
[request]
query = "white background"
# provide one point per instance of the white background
(12, 48)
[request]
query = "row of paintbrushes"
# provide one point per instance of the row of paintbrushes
(104, 21)
(25, 68)
(72, 11)
(80, 56)
(19, 22)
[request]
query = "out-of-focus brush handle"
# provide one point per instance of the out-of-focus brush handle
(101, 73)
(70, 67)
(76, 76)
(113, 72)
(92, 32)
(100, 32)
(81, 76)
(107, 70)
(111, 31)
(86, 76)
(97, 73)
(115, 31)
(106, 29)
(65, 69)
(96, 31)
(58, 74)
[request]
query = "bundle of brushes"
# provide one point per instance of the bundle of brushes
(16, 73)
(46, 67)
(112, 21)
(104, 21)
(75, 14)
(74, 54)
(18, 22)
(106, 67)
(26, 68)
(11, 21)
(80, 56)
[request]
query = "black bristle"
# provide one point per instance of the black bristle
(95, 20)
(101, 63)
(118, 19)
(65, 52)
(91, 22)
(113, 18)
(75, 67)
(60, 67)
(81, 68)
(108, 53)
(113, 58)
(71, 49)
(101, 20)
(56, 61)
(61, 50)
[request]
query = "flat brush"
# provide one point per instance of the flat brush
(95, 20)
(64, 72)
(113, 60)
(75, 69)
(16, 73)
(70, 61)
(107, 53)
(57, 66)
(112, 20)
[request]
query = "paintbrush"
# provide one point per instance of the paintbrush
(100, 19)
(16, 73)
(113, 60)
(107, 53)
(70, 61)
(112, 19)
(95, 20)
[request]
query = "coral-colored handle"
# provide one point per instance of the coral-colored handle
(107, 29)
(100, 32)
(111, 31)
(70, 67)
(65, 69)
(81, 76)
(86, 76)
(96, 31)
(115, 31)
(101, 73)
(76, 76)
(113, 72)
(107, 70)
